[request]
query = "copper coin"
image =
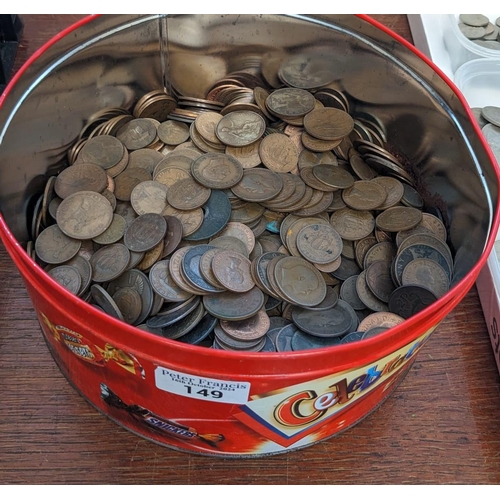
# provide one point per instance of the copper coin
(319, 243)
(380, 319)
(366, 295)
(109, 262)
(187, 194)
(300, 281)
(426, 273)
(80, 177)
(54, 247)
(353, 224)
(145, 232)
(232, 271)
(137, 134)
(114, 232)
(149, 197)
(68, 277)
(150, 257)
(290, 102)
(234, 306)
(332, 176)
(278, 153)
(383, 251)
(128, 180)
(128, 300)
(84, 215)
(394, 191)
(145, 159)
(249, 329)
(217, 170)
(328, 124)
(258, 184)
(106, 302)
(164, 285)
(364, 195)
(240, 128)
(291, 230)
(240, 231)
(379, 281)
(173, 235)
(170, 175)
(191, 220)
(398, 219)
(409, 300)
(104, 150)
(173, 132)
(206, 124)
(247, 156)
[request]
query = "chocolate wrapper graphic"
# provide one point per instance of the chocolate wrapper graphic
(156, 422)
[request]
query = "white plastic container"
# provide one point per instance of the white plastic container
(459, 47)
(479, 81)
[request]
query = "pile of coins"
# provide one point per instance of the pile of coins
(257, 219)
(479, 29)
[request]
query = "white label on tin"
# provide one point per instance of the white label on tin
(204, 388)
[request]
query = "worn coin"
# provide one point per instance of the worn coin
(184, 325)
(380, 319)
(426, 273)
(68, 277)
(278, 153)
(332, 176)
(302, 341)
(232, 271)
(258, 184)
(364, 195)
(173, 235)
(164, 285)
(54, 247)
(84, 215)
(408, 300)
(240, 128)
(353, 224)
(137, 133)
(109, 262)
(247, 156)
(145, 232)
(187, 194)
(332, 322)
(80, 177)
(328, 124)
(149, 197)
(217, 170)
(106, 302)
(104, 150)
(192, 272)
(128, 300)
(319, 243)
(349, 294)
(234, 306)
(252, 328)
(290, 102)
(398, 219)
(114, 232)
(379, 281)
(366, 296)
(128, 180)
(173, 132)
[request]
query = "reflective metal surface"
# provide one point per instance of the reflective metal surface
(113, 60)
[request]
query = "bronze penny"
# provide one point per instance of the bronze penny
(240, 231)
(398, 219)
(206, 124)
(307, 175)
(317, 145)
(278, 153)
(150, 257)
(311, 158)
(173, 132)
(128, 300)
(258, 184)
(206, 267)
(383, 251)
(120, 166)
(104, 150)
(145, 232)
(429, 240)
(247, 156)
(114, 232)
(427, 273)
(290, 102)
(432, 223)
(379, 319)
(232, 271)
(187, 194)
(352, 224)
(149, 197)
(84, 215)
(318, 207)
(319, 243)
(328, 124)
(178, 159)
(364, 195)
(361, 169)
(170, 175)
(234, 306)
(164, 285)
(137, 133)
(330, 267)
(106, 302)
(362, 246)
(191, 220)
(252, 328)
(379, 281)
(147, 159)
(173, 235)
(240, 128)
(394, 191)
(300, 281)
(306, 71)
(68, 277)
(292, 229)
(350, 295)
(332, 176)
(128, 180)
(54, 247)
(217, 170)
(367, 297)
(175, 268)
(80, 177)
(109, 262)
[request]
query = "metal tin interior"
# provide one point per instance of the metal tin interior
(114, 60)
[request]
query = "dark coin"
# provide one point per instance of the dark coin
(80, 177)
(426, 273)
(68, 277)
(164, 285)
(348, 268)
(269, 345)
(164, 320)
(138, 280)
(408, 300)
(350, 295)
(301, 341)
(333, 322)
(366, 295)
(329, 301)
(216, 215)
(351, 337)
(109, 262)
(173, 235)
(201, 331)
(185, 325)
(106, 302)
(84, 269)
(191, 268)
(54, 247)
(145, 232)
(283, 341)
(128, 301)
(234, 306)
(379, 281)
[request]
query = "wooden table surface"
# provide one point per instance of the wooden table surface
(441, 425)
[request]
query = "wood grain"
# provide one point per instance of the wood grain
(439, 427)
